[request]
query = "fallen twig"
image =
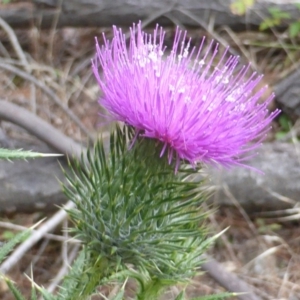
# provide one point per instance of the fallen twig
(228, 280)
(48, 226)
(49, 236)
(15, 43)
(41, 129)
(50, 93)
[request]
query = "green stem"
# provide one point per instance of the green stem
(91, 278)
(151, 290)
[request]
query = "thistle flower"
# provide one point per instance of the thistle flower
(201, 108)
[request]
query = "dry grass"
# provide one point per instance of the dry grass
(264, 252)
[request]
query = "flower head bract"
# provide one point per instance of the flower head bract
(201, 107)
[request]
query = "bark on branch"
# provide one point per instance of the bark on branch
(31, 186)
(26, 187)
(46, 13)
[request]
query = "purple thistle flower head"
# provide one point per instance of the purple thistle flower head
(201, 108)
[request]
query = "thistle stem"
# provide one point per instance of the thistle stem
(151, 290)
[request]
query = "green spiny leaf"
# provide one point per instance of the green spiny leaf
(46, 295)
(21, 154)
(119, 295)
(71, 284)
(15, 291)
(133, 209)
(7, 247)
(294, 29)
(33, 293)
(181, 296)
